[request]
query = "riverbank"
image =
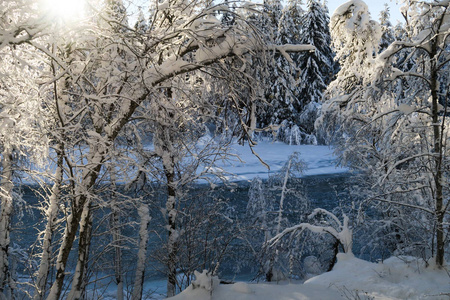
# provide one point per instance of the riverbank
(319, 160)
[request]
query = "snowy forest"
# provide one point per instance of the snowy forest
(118, 119)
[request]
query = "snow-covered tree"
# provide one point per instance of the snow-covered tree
(22, 138)
(317, 67)
(341, 231)
(228, 13)
(387, 36)
(99, 78)
(20, 22)
(394, 129)
(142, 253)
(281, 94)
(272, 10)
(355, 40)
(419, 116)
(272, 206)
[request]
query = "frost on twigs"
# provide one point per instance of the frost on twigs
(205, 281)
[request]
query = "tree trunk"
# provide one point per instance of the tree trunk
(116, 235)
(78, 282)
(72, 222)
(172, 243)
(142, 252)
(274, 256)
(51, 215)
(438, 158)
(5, 221)
(333, 260)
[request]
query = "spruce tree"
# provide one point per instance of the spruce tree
(284, 89)
(282, 92)
(228, 17)
(387, 36)
(267, 23)
(317, 68)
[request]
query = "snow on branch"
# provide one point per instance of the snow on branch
(285, 49)
(339, 230)
(292, 47)
(227, 46)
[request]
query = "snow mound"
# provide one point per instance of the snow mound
(395, 278)
(205, 281)
(242, 287)
(351, 278)
(244, 291)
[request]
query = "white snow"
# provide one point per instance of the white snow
(351, 278)
(395, 278)
(319, 160)
(205, 281)
(244, 291)
(340, 231)
(405, 108)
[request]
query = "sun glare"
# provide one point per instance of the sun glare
(65, 10)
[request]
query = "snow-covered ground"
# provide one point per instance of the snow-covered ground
(351, 278)
(319, 160)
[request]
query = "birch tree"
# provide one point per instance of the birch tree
(143, 241)
(21, 121)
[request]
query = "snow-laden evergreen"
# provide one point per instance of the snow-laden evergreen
(283, 94)
(317, 67)
(387, 36)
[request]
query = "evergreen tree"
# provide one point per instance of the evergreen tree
(273, 11)
(284, 94)
(295, 87)
(316, 67)
(387, 36)
(273, 111)
(141, 24)
(228, 17)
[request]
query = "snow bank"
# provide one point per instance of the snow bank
(351, 278)
(319, 160)
(395, 278)
(244, 291)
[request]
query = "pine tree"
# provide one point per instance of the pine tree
(272, 11)
(141, 24)
(268, 111)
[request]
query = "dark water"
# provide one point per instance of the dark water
(324, 191)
